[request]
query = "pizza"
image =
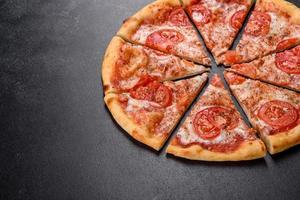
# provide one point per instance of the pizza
(151, 109)
(273, 26)
(218, 21)
(163, 25)
(157, 64)
(282, 69)
(125, 64)
(273, 111)
(215, 131)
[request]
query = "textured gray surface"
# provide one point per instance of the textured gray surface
(58, 141)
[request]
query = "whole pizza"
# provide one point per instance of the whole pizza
(159, 62)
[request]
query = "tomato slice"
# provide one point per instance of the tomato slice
(285, 44)
(178, 17)
(237, 19)
(259, 24)
(280, 115)
(164, 39)
(200, 14)
(163, 96)
(151, 90)
(234, 79)
(289, 61)
(209, 122)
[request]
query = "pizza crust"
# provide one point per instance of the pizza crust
(286, 7)
(248, 150)
(136, 131)
(110, 58)
(131, 24)
(282, 141)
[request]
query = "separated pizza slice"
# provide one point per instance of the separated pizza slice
(282, 69)
(273, 111)
(215, 131)
(273, 26)
(125, 64)
(163, 25)
(218, 21)
(151, 109)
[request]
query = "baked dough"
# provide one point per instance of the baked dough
(248, 150)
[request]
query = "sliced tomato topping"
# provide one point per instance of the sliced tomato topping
(164, 39)
(151, 90)
(245, 69)
(231, 57)
(280, 115)
(200, 14)
(259, 24)
(209, 122)
(178, 17)
(289, 61)
(163, 96)
(234, 79)
(237, 19)
(285, 44)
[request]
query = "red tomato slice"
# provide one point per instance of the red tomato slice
(259, 24)
(234, 79)
(200, 14)
(163, 96)
(209, 122)
(164, 39)
(178, 17)
(289, 61)
(237, 19)
(151, 90)
(285, 44)
(279, 114)
(245, 69)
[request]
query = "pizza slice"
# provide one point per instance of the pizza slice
(218, 21)
(215, 131)
(125, 64)
(273, 26)
(163, 25)
(282, 69)
(273, 111)
(151, 109)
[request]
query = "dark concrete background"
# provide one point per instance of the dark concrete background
(58, 141)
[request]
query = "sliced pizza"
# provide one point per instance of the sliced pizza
(125, 64)
(282, 69)
(273, 111)
(218, 21)
(163, 25)
(215, 131)
(151, 109)
(273, 26)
